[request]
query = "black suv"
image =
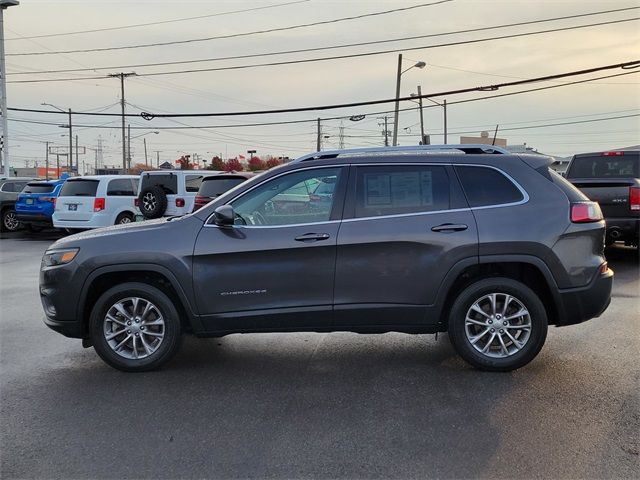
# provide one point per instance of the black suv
(490, 247)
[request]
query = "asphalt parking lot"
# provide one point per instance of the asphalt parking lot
(337, 405)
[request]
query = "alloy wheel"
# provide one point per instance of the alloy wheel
(134, 328)
(498, 325)
(149, 201)
(11, 223)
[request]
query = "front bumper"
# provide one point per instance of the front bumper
(577, 305)
(59, 294)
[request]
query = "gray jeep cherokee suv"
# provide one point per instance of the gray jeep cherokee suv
(488, 246)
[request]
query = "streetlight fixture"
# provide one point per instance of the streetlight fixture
(70, 127)
(129, 138)
(420, 65)
(4, 152)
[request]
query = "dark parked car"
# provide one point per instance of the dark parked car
(9, 190)
(36, 203)
(492, 248)
(613, 180)
(213, 187)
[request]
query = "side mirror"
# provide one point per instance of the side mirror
(224, 216)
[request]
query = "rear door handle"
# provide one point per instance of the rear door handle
(312, 237)
(450, 227)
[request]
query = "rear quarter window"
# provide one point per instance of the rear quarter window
(79, 188)
(485, 186)
(121, 187)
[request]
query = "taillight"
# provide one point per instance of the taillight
(634, 198)
(179, 202)
(98, 204)
(585, 212)
(136, 202)
(613, 154)
(48, 199)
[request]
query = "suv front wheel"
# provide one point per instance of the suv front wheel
(135, 327)
(498, 324)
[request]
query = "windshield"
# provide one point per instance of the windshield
(599, 166)
(79, 188)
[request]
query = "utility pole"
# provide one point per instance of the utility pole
(444, 105)
(319, 137)
(4, 151)
(158, 158)
(385, 132)
(341, 141)
(46, 161)
(146, 162)
(70, 157)
(122, 76)
(77, 161)
(128, 167)
(58, 165)
(423, 138)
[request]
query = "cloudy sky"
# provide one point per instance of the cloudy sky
(316, 83)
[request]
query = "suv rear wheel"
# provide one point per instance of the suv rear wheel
(498, 324)
(9, 221)
(135, 327)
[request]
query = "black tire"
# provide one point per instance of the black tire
(526, 297)
(172, 331)
(124, 218)
(153, 202)
(9, 222)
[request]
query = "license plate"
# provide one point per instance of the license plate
(29, 201)
(73, 207)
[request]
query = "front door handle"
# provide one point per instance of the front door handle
(312, 237)
(450, 227)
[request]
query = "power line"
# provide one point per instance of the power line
(288, 122)
(243, 34)
(333, 47)
(338, 57)
(160, 22)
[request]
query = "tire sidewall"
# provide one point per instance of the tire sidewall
(124, 215)
(6, 213)
(524, 294)
(161, 202)
(171, 340)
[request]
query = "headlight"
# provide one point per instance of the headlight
(59, 257)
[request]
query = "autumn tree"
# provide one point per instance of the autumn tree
(233, 165)
(184, 162)
(141, 167)
(255, 164)
(216, 164)
(273, 162)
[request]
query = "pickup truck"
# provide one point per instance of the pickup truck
(613, 180)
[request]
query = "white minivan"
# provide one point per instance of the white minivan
(96, 201)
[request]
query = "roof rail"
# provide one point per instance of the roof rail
(470, 148)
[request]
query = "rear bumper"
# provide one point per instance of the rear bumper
(578, 305)
(35, 219)
(623, 228)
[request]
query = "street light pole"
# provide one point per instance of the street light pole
(70, 143)
(128, 167)
(444, 105)
(4, 152)
(396, 112)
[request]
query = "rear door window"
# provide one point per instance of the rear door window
(79, 188)
(121, 187)
(600, 166)
(401, 189)
(38, 188)
(485, 186)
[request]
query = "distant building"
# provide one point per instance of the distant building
(484, 139)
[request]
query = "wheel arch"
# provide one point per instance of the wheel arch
(529, 270)
(158, 276)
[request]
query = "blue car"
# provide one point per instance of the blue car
(36, 203)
